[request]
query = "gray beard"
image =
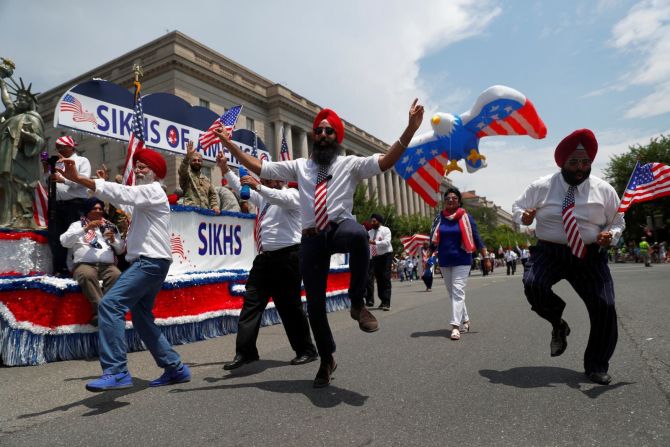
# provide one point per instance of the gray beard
(145, 179)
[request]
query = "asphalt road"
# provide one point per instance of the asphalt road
(406, 384)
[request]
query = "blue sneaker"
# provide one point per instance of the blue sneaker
(106, 382)
(170, 377)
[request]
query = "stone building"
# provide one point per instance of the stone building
(177, 64)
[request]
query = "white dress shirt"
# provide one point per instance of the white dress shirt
(346, 171)
(596, 204)
(149, 231)
(280, 227)
(71, 190)
(82, 251)
(510, 256)
(382, 237)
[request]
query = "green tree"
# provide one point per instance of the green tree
(618, 172)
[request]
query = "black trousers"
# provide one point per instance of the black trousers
(67, 211)
(511, 267)
(276, 275)
(591, 279)
(346, 237)
(380, 270)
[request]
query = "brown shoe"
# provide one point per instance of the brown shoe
(323, 376)
(366, 321)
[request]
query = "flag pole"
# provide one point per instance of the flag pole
(637, 164)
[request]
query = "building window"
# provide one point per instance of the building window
(204, 103)
(251, 124)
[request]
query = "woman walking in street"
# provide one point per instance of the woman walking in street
(455, 237)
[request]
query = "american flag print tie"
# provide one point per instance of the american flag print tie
(257, 228)
(373, 247)
(575, 241)
(320, 195)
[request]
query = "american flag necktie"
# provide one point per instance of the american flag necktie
(373, 247)
(320, 211)
(575, 241)
(257, 228)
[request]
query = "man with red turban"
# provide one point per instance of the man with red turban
(326, 182)
(576, 217)
(150, 256)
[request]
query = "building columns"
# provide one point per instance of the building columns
(396, 193)
(302, 138)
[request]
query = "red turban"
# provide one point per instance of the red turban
(333, 119)
(153, 159)
(569, 144)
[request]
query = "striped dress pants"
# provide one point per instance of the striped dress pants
(590, 277)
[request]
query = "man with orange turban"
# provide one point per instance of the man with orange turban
(150, 256)
(327, 181)
(576, 217)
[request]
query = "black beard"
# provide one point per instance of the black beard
(570, 177)
(324, 153)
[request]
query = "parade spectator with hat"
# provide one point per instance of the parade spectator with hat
(94, 242)
(70, 198)
(150, 255)
(576, 216)
(326, 182)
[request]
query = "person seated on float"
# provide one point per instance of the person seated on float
(197, 188)
(94, 243)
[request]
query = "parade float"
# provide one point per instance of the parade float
(44, 318)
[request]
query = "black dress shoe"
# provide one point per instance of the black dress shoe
(238, 361)
(599, 377)
(323, 376)
(369, 303)
(304, 358)
(559, 339)
(385, 307)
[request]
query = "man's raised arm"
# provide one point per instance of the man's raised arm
(251, 163)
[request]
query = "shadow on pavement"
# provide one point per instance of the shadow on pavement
(254, 368)
(99, 403)
(548, 376)
(327, 397)
(436, 333)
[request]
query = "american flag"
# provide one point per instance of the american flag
(498, 110)
(40, 205)
(227, 120)
(136, 138)
(79, 115)
(283, 152)
(575, 241)
(177, 246)
(414, 243)
(648, 182)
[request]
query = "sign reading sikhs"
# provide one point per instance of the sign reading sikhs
(105, 109)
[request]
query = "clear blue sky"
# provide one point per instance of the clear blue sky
(601, 64)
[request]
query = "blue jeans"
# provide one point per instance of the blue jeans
(134, 291)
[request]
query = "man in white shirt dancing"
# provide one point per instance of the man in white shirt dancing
(150, 255)
(576, 216)
(327, 182)
(275, 272)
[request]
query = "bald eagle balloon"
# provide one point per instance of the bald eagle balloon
(499, 110)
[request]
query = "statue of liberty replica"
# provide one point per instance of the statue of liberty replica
(21, 142)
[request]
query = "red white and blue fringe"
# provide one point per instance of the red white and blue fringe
(45, 319)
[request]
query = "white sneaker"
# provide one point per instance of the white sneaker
(455, 334)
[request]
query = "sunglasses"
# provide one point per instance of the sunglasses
(575, 162)
(327, 130)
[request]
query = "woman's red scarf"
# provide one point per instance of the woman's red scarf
(467, 239)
